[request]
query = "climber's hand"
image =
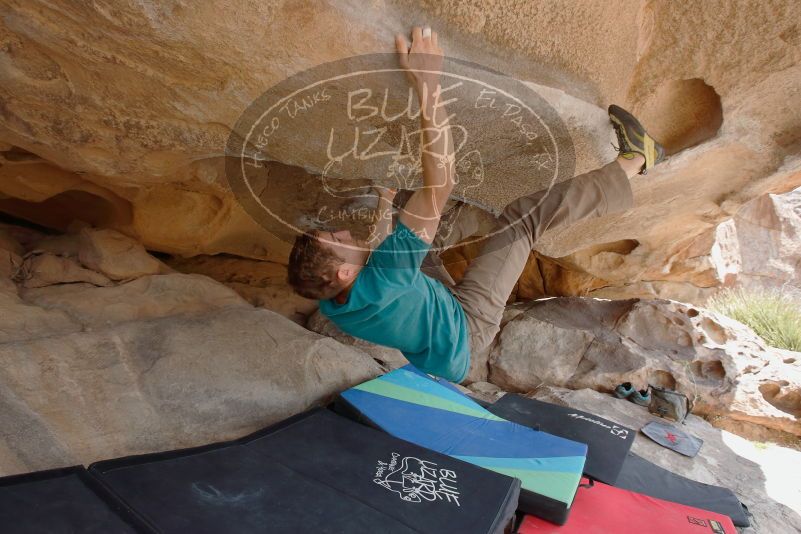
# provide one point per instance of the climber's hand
(422, 61)
(385, 193)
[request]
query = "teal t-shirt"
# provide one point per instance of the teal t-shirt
(392, 303)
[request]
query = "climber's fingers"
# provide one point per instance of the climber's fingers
(403, 50)
(417, 36)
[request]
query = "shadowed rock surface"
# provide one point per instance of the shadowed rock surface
(117, 115)
(163, 361)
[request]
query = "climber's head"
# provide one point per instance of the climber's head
(322, 264)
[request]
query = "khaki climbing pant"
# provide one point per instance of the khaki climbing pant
(491, 277)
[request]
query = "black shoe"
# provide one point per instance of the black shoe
(633, 139)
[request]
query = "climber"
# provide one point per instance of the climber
(378, 292)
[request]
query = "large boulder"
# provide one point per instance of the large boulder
(261, 283)
(157, 384)
(148, 297)
(390, 358)
(118, 116)
(116, 255)
(577, 343)
(761, 245)
(41, 270)
(160, 362)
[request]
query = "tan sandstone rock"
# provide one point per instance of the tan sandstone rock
(587, 343)
(40, 270)
(67, 245)
(115, 255)
(389, 357)
(9, 243)
(10, 256)
(261, 283)
(148, 297)
(9, 263)
(121, 122)
(159, 362)
(164, 383)
(21, 321)
(485, 391)
(20, 235)
(761, 245)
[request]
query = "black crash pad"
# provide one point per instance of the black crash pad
(61, 501)
(315, 472)
(608, 442)
(642, 476)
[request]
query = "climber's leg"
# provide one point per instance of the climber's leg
(491, 276)
(453, 229)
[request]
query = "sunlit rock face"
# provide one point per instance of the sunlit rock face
(118, 114)
(729, 373)
(761, 245)
(756, 248)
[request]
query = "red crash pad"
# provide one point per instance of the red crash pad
(601, 509)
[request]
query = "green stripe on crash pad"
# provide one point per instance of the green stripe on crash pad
(554, 484)
(402, 377)
(564, 464)
(402, 393)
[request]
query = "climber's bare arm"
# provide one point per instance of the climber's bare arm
(383, 224)
(423, 64)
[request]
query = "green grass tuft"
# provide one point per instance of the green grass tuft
(774, 315)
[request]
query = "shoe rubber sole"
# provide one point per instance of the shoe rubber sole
(635, 136)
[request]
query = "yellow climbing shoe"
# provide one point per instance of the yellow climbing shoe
(633, 139)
